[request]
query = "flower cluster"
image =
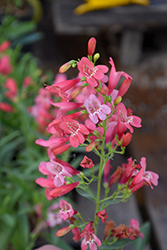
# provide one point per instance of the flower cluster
(91, 114)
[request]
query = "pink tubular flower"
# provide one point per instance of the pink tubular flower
(57, 192)
(4, 46)
(11, 85)
(58, 171)
(55, 170)
(91, 72)
(95, 109)
(53, 217)
(91, 46)
(76, 131)
(102, 215)
(125, 120)
(27, 81)
(86, 162)
(144, 177)
(66, 210)
(89, 238)
(61, 87)
(115, 76)
(5, 66)
(6, 107)
(52, 142)
(67, 106)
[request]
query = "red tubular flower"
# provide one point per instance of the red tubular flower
(134, 230)
(61, 87)
(6, 107)
(102, 215)
(107, 170)
(61, 149)
(5, 66)
(86, 162)
(67, 106)
(144, 177)
(57, 192)
(125, 120)
(115, 176)
(52, 142)
(91, 46)
(77, 235)
(27, 81)
(124, 87)
(115, 76)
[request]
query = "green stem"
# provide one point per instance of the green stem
(102, 156)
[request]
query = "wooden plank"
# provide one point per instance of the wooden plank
(151, 141)
(66, 22)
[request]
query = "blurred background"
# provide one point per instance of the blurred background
(135, 36)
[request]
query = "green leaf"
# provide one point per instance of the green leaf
(9, 137)
(140, 243)
(85, 193)
(110, 202)
(5, 235)
(58, 242)
(118, 244)
(21, 233)
(75, 163)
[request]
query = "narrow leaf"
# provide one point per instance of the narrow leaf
(86, 194)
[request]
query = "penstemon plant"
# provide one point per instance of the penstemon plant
(91, 114)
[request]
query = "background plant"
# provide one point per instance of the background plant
(20, 84)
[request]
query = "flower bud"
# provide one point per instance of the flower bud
(117, 100)
(66, 66)
(126, 139)
(76, 92)
(63, 231)
(96, 57)
(104, 90)
(91, 46)
(115, 176)
(90, 146)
